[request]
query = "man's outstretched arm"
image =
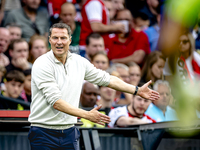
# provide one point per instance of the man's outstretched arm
(92, 115)
(143, 91)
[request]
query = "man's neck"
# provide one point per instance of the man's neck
(122, 37)
(62, 59)
(163, 109)
(73, 27)
(30, 13)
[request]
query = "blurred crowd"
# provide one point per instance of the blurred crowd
(118, 36)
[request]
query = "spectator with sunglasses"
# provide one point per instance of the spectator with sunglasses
(188, 60)
(31, 18)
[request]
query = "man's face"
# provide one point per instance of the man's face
(135, 74)
(140, 24)
(15, 33)
(60, 42)
(27, 83)
(124, 74)
(140, 105)
(38, 48)
(32, 4)
(107, 93)
(95, 45)
(125, 15)
(164, 99)
(89, 95)
(68, 14)
(14, 88)
(4, 40)
(20, 50)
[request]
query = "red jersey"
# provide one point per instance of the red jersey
(54, 6)
(92, 11)
(135, 41)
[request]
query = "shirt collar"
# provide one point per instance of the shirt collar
(129, 38)
(55, 59)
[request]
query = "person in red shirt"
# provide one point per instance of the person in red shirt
(127, 47)
(96, 19)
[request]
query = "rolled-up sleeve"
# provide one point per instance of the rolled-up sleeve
(44, 80)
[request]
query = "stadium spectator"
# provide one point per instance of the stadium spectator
(54, 8)
(38, 46)
(19, 51)
(4, 42)
(160, 110)
(94, 44)
(32, 19)
(128, 47)
(150, 9)
(96, 19)
(107, 97)
(140, 21)
(131, 114)
(121, 97)
(188, 63)
(26, 93)
(153, 67)
(100, 60)
(14, 85)
(15, 31)
(153, 33)
(67, 15)
(89, 95)
(135, 73)
(88, 100)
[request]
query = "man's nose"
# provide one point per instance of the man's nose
(59, 41)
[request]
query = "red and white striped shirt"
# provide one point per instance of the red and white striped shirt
(118, 112)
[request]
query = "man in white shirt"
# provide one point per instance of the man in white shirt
(57, 77)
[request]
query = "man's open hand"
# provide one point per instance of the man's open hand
(97, 117)
(147, 93)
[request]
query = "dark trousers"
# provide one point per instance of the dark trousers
(49, 139)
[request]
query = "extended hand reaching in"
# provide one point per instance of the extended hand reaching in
(147, 93)
(97, 117)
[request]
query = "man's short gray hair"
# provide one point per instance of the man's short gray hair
(119, 65)
(60, 26)
(161, 82)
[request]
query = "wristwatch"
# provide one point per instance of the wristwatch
(136, 90)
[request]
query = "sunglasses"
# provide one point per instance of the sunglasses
(184, 41)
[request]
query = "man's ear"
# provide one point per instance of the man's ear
(70, 39)
(49, 39)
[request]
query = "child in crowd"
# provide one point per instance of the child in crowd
(26, 93)
(14, 83)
